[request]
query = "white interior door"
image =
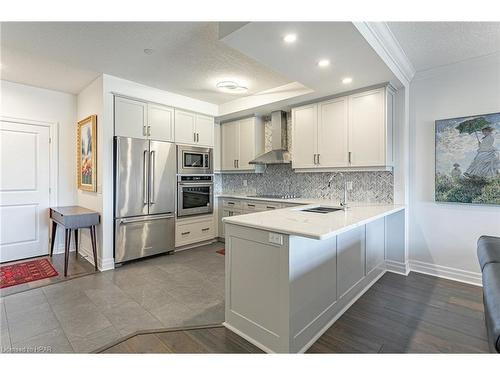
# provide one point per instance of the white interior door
(24, 190)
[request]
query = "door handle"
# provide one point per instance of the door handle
(150, 218)
(197, 137)
(237, 163)
(315, 159)
(318, 159)
(152, 176)
(149, 130)
(234, 163)
(194, 137)
(145, 178)
(349, 157)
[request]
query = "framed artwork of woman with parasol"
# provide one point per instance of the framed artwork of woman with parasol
(470, 144)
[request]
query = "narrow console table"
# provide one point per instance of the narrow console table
(73, 218)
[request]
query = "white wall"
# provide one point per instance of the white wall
(90, 102)
(33, 103)
(443, 236)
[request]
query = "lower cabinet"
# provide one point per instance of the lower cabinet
(193, 230)
(375, 244)
(350, 259)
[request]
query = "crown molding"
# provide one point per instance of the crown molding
(383, 41)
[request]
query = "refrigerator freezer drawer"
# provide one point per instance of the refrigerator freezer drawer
(139, 237)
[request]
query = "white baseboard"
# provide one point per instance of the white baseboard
(248, 338)
(450, 273)
(397, 267)
(102, 264)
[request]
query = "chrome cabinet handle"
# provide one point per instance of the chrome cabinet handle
(250, 205)
(230, 202)
(197, 137)
(149, 130)
(318, 159)
(145, 178)
(271, 207)
(194, 137)
(237, 163)
(349, 157)
(204, 229)
(315, 162)
(152, 176)
(144, 130)
(184, 233)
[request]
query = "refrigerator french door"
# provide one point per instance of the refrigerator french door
(145, 181)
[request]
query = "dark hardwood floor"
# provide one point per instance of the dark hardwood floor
(398, 314)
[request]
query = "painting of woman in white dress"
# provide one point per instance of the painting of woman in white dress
(486, 163)
(471, 143)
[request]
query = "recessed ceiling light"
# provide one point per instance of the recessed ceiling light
(323, 63)
(290, 38)
(347, 80)
(148, 51)
(231, 86)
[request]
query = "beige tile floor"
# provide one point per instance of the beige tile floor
(83, 314)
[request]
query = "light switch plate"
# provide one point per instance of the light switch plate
(349, 185)
(276, 238)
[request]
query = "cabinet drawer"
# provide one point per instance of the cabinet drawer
(231, 203)
(266, 206)
(191, 232)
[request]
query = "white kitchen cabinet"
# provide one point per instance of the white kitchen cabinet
(367, 130)
(194, 230)
(230, 138)
(130, 118)
(375, 244)
(333, 133)
(217, 148)
(194, 129)
(204, 130)
(242, 141)
(160, 122)
(353, 131)
(350, 259)
(305, 136)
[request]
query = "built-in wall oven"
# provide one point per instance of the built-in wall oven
(194, 160)
(194, 195)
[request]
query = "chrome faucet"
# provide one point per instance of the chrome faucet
(343, 201)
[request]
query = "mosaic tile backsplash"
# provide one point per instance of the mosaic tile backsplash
(368, 187)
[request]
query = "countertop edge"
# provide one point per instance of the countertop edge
(323, 236)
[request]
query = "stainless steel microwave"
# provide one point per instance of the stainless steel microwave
(194, 160)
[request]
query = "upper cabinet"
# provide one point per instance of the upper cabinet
(194, 129)
(137, 119)
(353, 131)
(241, 142)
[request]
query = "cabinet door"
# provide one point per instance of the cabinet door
(185, 128)
(305, 136)
(350, 259)
(367, 129)
(246, 143)
(333, 133)
(217, 147)
(375, 244)
(160, 122)
(205, 130)
(130, 118)
(230, 145)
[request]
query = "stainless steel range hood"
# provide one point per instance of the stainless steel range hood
(279, 153)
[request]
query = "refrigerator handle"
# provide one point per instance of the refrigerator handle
(152, 176)
(145, 177)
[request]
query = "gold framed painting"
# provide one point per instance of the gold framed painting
(87, 153)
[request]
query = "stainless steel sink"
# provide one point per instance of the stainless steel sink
(321, 209)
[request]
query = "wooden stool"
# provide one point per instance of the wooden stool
(73, 218)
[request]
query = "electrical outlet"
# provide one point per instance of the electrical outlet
(245, 183)
(349, 185)
(276, 238)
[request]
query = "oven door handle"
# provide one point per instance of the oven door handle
(210, 184)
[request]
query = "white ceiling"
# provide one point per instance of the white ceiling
(432, 44)
(340, 42)
(188, 57)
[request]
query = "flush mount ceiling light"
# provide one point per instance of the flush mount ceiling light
(231, 86)
(290, 38)
(346, 80)
(148, 51)
(323, 63)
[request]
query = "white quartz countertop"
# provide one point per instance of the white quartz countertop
(293, 221)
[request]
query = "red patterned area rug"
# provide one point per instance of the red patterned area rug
(25, 272)
(221, 251)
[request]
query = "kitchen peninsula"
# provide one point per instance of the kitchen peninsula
(290, 273)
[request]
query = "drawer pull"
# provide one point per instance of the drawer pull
(184, 233)
(230, 202)
(271, 207)
(251, 205)
(205, 229)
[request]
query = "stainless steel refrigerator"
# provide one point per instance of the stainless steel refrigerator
(145, 179)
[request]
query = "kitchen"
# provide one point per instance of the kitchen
(262, 216)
